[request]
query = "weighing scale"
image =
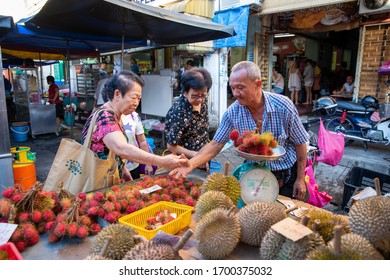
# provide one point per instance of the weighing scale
(256, 180)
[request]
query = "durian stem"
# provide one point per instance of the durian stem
(183, 240)
(316, 225)
(338, 232)
(288, 210)
(305, 220)
(230, 210)
(377, 186)
(227, 164)
(105, 246)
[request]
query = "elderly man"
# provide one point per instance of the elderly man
(255, 108)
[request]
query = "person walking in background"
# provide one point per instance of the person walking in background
(134, 66)
(186, 123)
(278, 79)
(308, 74)
(317, 80)
(99, 90)
(135, 133)
(294, 82)
(54, 98)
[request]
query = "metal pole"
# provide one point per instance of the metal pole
(70, 91)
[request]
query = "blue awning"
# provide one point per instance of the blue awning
(236, 18)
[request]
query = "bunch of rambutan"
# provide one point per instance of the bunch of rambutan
(159, 219)
(24, 236)
(253, 142)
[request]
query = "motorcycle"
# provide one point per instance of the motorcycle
(356, 120)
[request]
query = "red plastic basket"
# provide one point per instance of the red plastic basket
(13, 252)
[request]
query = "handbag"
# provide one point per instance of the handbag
(316, 198)
(331, 146)
(78, 167)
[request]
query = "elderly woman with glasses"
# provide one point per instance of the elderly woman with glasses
(186, 123)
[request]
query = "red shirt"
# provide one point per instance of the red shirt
(52, 93)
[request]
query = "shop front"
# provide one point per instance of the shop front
(338, 35)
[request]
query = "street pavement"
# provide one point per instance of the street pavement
(329, 179)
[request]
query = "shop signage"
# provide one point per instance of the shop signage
(273, 7)
(324, 18)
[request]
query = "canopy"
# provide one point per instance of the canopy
(110, 20)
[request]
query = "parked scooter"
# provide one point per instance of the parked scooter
(355, 120)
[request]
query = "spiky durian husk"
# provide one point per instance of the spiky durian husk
(151, 250)
(370, 218)
(327, 253)
(328, 222)
(275, 246)
(122, 241)
(218, 234)
(209, 201)
(256, 218)
(229, 185)
(271, 244)
(298, 250)
(360, 245)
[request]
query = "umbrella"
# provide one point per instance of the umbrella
(113, 20)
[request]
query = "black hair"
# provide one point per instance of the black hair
(50, 79)
(123, 81)
(191, 63)
(196, 78)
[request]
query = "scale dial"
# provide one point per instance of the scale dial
(259, 184)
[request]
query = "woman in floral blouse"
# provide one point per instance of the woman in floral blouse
(186, 123)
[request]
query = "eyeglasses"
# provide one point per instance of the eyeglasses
(202, 96)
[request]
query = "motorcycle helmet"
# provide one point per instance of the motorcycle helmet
(326, 105)
(370, 102)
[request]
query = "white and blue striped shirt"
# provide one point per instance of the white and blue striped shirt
(280, 117)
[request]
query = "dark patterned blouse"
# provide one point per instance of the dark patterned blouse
(186, 127)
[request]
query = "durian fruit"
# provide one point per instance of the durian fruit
(228, 184)
(360, 245)
(335, 252)
(122, 241)
(209, 201)
(256, 218)
(218, 233)
(370, 218)
(157, 250)
(275, 246)
(328, 221)
(101, 255)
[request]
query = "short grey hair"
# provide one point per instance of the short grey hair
(251, 68)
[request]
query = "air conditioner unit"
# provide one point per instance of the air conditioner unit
(374, 6)
(227, 4)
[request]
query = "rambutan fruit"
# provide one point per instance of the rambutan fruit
(98, 196)
(265, 142)
(156, 197)
(270, 152)
(255, 139)
(110, 196)
(61, 218)
(234, 134)
(253, 150)
(66, 203)
(23, 217)
(17, 235)
(246, 134)
(166, 197)
(5, 207)
(71, 229)
(95, 228)
(110, 218)
(17, 197)
(82, 196)
(175, 192)
(117, 206)
(49, 226)
(93, 211)
(247, 142)
(123, 204)
(152, 201)
(273, 144)
(52, 238)
(189, 201)
(29, 231)
(85, 220)
(34, 239)
(115, 188)
(262, 150)
(137, 194)
(130, 209)
(101, 213)
(36, 216)
(48, 215)
(194, 192)
(8, 192)
(89, 196)
(21, 245)
(60, 230)
(108, 206)
(93, 202)
(183, 194)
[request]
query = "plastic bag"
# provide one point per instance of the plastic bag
(331, 146)
(384, 69)
(319, 199)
